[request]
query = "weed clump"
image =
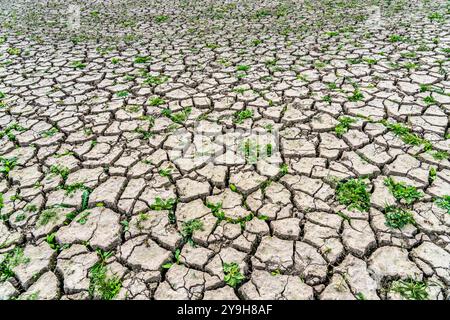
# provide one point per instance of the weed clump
(397, 217)
(401, 191)
(410, 289)
(233, 275)
(353, 193)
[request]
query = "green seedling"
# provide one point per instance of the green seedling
(233, 276)
(397, 217)
(401, 191)
(353, 193)
(410, 289)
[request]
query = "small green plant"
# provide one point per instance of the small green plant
(212, 46)
(432, 175)
(261, 13)
(9, 131)
(241, 75)
(78, 65)
(216, 210)
(332, 86)
(356, 96)
(401, 191)
(189, 227)
(141, 218)
(233, 275)
(94, 14)
(440, 155)
(85, 198)
(64, 153)
(178, 117)
(327, 99)
(143, 134)
(101, 285)
(370, 61)
(354, 60)
(125, 224)
(30, 208)
(406, 135)
(276, 272)
(51, 240)
(141, 59)
(165, 172)
(161, 18)
(50, 133)
(83, 217)
(61, 171)
(424, 88)
(149, 119)
(6, 165)
(270, 63)
(156, 101)
(177, 256)
(122, 94)
(46, 216)
(256, 42)
(269, 127)
(443, 202)
(251, 151)
(71, 216)
(240, 116)
(319, 64)
(353, 193)
(269, 149)
(343, 126)
(429, 100)
(71, 188)
(410, 65)
(242, 67)
(20, 217)
(408, 55)
(360, 296)
(103, 255)
(12, 259)
(14, 51)
(397, 217)
(167, 204)
(155, 80)
(332, 33)
(436, 16)
(31, 296)
(410, 289)
(161, 204)
(396, 38)
(239, 90)
(284, 169)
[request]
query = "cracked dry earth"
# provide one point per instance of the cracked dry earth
(131, 167)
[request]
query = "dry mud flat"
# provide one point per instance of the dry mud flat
(213, 150)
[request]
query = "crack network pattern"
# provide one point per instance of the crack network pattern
(224, 149)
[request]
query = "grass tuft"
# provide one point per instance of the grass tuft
(353, 193)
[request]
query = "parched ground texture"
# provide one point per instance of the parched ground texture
(224, 149)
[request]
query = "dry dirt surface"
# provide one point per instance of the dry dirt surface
(224, 149)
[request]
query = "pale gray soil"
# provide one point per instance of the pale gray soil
(147, 149)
